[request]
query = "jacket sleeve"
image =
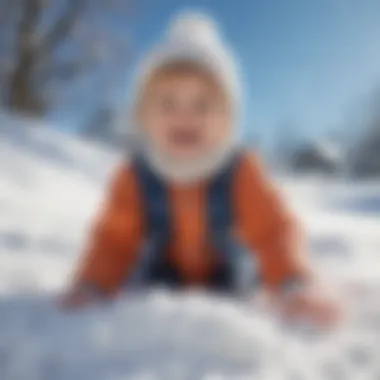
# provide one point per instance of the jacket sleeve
(115, 237)
(270, 230)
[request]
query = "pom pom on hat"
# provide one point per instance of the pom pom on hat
(193, 26)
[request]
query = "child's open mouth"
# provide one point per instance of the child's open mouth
(185, 136)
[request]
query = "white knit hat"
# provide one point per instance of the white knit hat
(193, 37)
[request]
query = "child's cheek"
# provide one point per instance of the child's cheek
(157, 131)
(217, 134)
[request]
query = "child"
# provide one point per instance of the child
(191, 203)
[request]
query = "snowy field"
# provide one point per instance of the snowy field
(50, 187)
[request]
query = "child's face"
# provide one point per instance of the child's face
(185, 114)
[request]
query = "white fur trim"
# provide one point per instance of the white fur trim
(195, 171)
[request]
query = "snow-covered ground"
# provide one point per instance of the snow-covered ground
(50, 187)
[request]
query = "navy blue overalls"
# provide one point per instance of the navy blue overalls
(237, 271)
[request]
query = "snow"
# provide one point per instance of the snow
(50, 188)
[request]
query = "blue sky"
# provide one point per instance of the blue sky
(305, 62)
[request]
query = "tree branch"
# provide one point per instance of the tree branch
(64, 71)
(63, 26)
(5, 7)
(31, 12)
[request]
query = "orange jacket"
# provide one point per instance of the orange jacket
(262, 223)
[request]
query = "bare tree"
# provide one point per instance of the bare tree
(364, 147)
(374, 113)
(50, 48)
(285, 141)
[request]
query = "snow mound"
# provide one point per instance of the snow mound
(50, 187)
(163, 336)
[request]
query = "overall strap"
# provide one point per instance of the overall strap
(220, 205)
(157, 218)
(221, 220)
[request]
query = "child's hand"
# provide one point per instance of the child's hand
(76, 298)
(309, 304)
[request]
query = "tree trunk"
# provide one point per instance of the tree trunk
(21, 92)
(22, 95)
